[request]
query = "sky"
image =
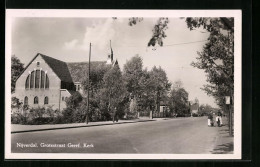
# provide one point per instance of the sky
(68, 39)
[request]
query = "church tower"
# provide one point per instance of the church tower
(110, 55)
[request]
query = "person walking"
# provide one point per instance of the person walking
(210, 118)
(115, 115)
(219, 117)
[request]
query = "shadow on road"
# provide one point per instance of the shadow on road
(223, 148)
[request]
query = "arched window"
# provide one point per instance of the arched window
(46, 100)
(27, 82)
(32, 80)
(42, 79)
(25, 100)
(37, 79)
(35, 101)
(47, 82)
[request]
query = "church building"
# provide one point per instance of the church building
(47, 81)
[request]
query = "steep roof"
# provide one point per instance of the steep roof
(79, 70)
(59, 67)
(71, 71)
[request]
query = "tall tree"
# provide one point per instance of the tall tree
(161, 85)
(179, 101)
(114, 90)
(132, 73)
(16, 69)
(217, 56)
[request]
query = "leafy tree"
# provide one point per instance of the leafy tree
(16, 105)
(96, 78)
(74, 100)
(159, 32)
(159, 86)
(179, 101)
(114, 91)
(132, 73)
(204, 109)
(217, 57)
(16, 69)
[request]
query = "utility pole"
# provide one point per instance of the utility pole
(88, 83)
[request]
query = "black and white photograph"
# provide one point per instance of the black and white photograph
(123, 84)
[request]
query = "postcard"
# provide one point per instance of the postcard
(123, 84)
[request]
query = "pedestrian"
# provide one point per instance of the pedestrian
(115, 115)
(219, 117)
(210, 118)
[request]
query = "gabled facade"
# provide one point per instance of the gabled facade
(43, 83)
(46, 81)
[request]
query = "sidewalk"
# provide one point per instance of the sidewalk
(17, 128)
(224, 144)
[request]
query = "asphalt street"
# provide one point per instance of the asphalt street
(175, 136)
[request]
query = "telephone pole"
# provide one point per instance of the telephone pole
(87, 120)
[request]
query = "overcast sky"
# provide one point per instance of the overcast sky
(68, 39)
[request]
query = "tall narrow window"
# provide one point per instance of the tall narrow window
(42, 79)
(32, 80)
(35, 101)
(46, 100)
(25, 100)
(37, 79)
(47, 82)
(27, 82)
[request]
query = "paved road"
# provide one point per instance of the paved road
(180, 135)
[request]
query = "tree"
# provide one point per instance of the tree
(158, 30)
(179, 101)
(217, 57)
(132, 73)
(114, 91)
(16, 69)
(74, 100)
(96, 108)
(205, 109)
(16, 105)
(159, 86)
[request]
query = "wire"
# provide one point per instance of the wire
(185, 43)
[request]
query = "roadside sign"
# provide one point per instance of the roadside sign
(227, 99)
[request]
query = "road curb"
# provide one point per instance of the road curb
(71, 127)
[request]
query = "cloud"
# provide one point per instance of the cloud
(99, 34)
(118, 31)
(71, 45)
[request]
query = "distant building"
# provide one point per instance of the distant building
(194, 108)
(163, 110)
(46, 81)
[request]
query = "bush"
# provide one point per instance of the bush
(37, 116)
(18, 119)
(40, 121)
(194, 115)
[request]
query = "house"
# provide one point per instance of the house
(163, 110)
(194, 109)
(47, 81)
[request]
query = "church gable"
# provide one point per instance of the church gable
(37, 75)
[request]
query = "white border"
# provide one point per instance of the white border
(12, 13)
